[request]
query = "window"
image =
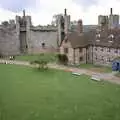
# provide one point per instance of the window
(108, 60)
(66, 50)
(81, 58)
(96, 48)
(26, 46)
(108, 50)
(80, 50)
(43, 45)
(101, 49)
(102, 58)
(96, 57)
(116, 50)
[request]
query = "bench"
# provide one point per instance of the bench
(95, 78)
(75, 73)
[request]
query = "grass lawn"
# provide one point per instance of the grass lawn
(28, 94)
(51, 57)
(102, 69)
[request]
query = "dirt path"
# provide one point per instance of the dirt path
(104, 76)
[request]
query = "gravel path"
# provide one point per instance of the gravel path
(104, 76)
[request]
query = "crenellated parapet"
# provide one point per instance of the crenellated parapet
(44, 28)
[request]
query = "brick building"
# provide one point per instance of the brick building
(100, 46)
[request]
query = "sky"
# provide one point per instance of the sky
(42, 11)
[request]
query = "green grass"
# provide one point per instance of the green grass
(28, 94)
(96, 68)
(51, 57)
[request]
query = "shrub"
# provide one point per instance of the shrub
(41, 62)
(62, 58)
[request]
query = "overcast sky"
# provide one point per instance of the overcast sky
(43, 10)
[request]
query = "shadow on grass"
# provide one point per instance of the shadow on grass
(48, 70)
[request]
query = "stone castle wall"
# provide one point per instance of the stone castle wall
(9, 42)
(49, 38)
(27, 39)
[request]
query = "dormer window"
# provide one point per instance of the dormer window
(98, 35)
(111, 36)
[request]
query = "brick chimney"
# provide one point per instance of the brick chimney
(65, 11)
(23, 13)
(80, 26)
(111, 11)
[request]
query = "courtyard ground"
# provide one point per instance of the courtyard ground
(28, 94)
(107, 76)
(96, 68)
(53, 58)
(118, 74)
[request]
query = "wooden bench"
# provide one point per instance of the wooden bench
(95, 78)
(75, 73)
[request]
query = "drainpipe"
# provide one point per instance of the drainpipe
(92, 54)
(74, 55)
(86, 54)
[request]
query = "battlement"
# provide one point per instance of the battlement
(44, 28)
(8, 24)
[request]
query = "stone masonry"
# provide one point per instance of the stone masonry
(21, 37)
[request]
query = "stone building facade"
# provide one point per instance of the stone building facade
(21, 37)
(97, 47)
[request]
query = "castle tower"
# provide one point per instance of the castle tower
(28, 35)
(23, 13)
(23, 25)
(103, 22)
(113, 20)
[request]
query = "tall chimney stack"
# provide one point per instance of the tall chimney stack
(65, 11)
(111, 11)
(80, 26)
(23, 13)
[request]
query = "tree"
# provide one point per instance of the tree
(5, 23)
(62, 59)
(55, 19)
(41, 62)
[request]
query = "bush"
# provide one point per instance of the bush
(41, 62)
(62, 58)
